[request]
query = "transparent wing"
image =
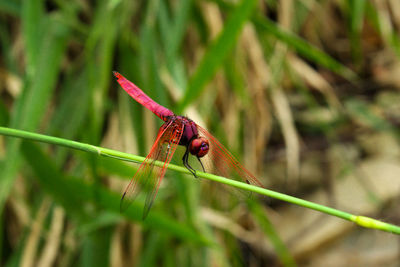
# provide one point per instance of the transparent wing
(221, 162)
(148, 177)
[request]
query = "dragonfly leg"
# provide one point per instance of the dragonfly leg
(186, 163)
(201, 163)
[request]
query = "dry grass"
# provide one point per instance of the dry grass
(306, 95)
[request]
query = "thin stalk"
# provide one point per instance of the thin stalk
(363, 221)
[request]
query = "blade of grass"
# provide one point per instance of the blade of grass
(15, 259)
(73, 194)
(105, 219)
(303, 47)
(99, 50)
(356, 16)
(8, 59)
(99, 54)
(360, 220)
(4, 115)
(172, 32)
(95, 248)
(149, 57)
(70, 115)
(10, 7)
(173, 35)
(215, 55)
(1, 231)
(268, 229)
(32, 19)
(360, 111)
(61, 188)
(127, 107)
(151, 250)
(116, 167)
(235, 77)
(300, 45)
(387, 33)
(31, 105)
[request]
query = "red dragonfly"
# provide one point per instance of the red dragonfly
(177, 130)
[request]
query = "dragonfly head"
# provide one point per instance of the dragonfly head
(199, 147)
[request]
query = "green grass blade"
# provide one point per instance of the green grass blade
(96, 247)
(172, 30)
(103, 220)
(300, 45)
(303, 47)
(112, 204)
(217, 52)
(360, 111)
(32, 104)
(53, 181)
(99, 49)
(32, 25)
(268, 229)
(151, 250)
(171, 33)
(10, 7)
(9, 60)
(127, 107)
(148, 60)
(1, 230)
(376, 18)
(179, 25)
(356, 16)
(4, 115)
(73, 194)
(71, 114)
(114, 166)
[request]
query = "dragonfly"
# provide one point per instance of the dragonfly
(176, 130)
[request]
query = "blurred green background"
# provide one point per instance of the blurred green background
(305, 93)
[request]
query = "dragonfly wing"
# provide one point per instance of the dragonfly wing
(169, 143)
(144, 171)
(221, 162)
(148, 177)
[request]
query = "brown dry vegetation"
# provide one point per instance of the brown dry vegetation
(307, 96)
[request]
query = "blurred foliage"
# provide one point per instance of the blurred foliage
(305, 93)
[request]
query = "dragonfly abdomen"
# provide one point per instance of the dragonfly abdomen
(135, 92)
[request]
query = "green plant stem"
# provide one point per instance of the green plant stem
(360, 220)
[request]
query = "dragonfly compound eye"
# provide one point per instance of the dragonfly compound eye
(199, 147)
